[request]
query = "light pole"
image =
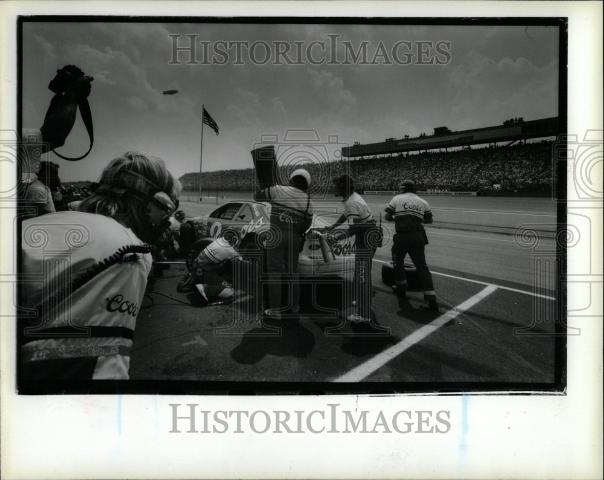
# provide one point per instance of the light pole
(201, 155)
(174, 92)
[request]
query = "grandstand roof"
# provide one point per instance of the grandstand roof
(545, 127)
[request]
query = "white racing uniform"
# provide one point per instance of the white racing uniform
(86, 274)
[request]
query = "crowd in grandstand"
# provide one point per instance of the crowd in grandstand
(75, 191)
(523, 168)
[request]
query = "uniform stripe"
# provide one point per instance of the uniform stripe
(85, 332)
(414, 214)
(74, 352)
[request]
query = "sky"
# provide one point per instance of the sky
(492, 73)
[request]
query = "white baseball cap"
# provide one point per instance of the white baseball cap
(300, 172)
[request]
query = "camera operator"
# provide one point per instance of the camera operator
(291, 217)
(409, 213)
(85, 329)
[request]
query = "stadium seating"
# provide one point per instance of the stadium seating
(519, 169)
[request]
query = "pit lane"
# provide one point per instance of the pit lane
(495, 325)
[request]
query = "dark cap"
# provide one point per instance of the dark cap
(407, 186)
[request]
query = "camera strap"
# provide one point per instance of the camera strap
(86, 115)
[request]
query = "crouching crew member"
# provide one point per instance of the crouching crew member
(95, 264)
(212, 270)
(409, 213)
(291, 217)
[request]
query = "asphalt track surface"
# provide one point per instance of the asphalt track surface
(498, 311)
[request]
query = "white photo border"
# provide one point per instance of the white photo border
(511, 436)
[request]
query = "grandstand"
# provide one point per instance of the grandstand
(513, 130)
(73, 191)
(501, 162)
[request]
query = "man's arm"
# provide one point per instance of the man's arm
(389, 212)
(428, 216)
(427, 213)
(338, 222)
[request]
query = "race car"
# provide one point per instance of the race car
(325, 263)
(245, 224)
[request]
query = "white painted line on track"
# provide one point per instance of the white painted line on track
(479, 282)
(365, 369)
(463, 234)
(436, 231)
(498, 212)
(198, 340)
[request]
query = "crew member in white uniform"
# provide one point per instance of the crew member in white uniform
(291, 217)
(409, 213)
(366, 236)
(87, 272)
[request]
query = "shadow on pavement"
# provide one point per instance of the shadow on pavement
(293, 340)
(367, 345)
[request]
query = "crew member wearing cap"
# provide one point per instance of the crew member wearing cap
(95, 264)
(366, 236)
(409, 213)
(291, 217)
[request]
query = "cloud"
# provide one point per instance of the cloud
(496, 73)
(47, 47)
(249, 109)
(502, 89)
(330, 89)
(246, 107)
(136, 103)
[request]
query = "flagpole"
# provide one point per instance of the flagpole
(201, 153)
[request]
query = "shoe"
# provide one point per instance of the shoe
(432, 303)
(432, 306)
(356, 318)
(405, 308)
(273, 314)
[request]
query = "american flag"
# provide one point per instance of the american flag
(209, 121)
